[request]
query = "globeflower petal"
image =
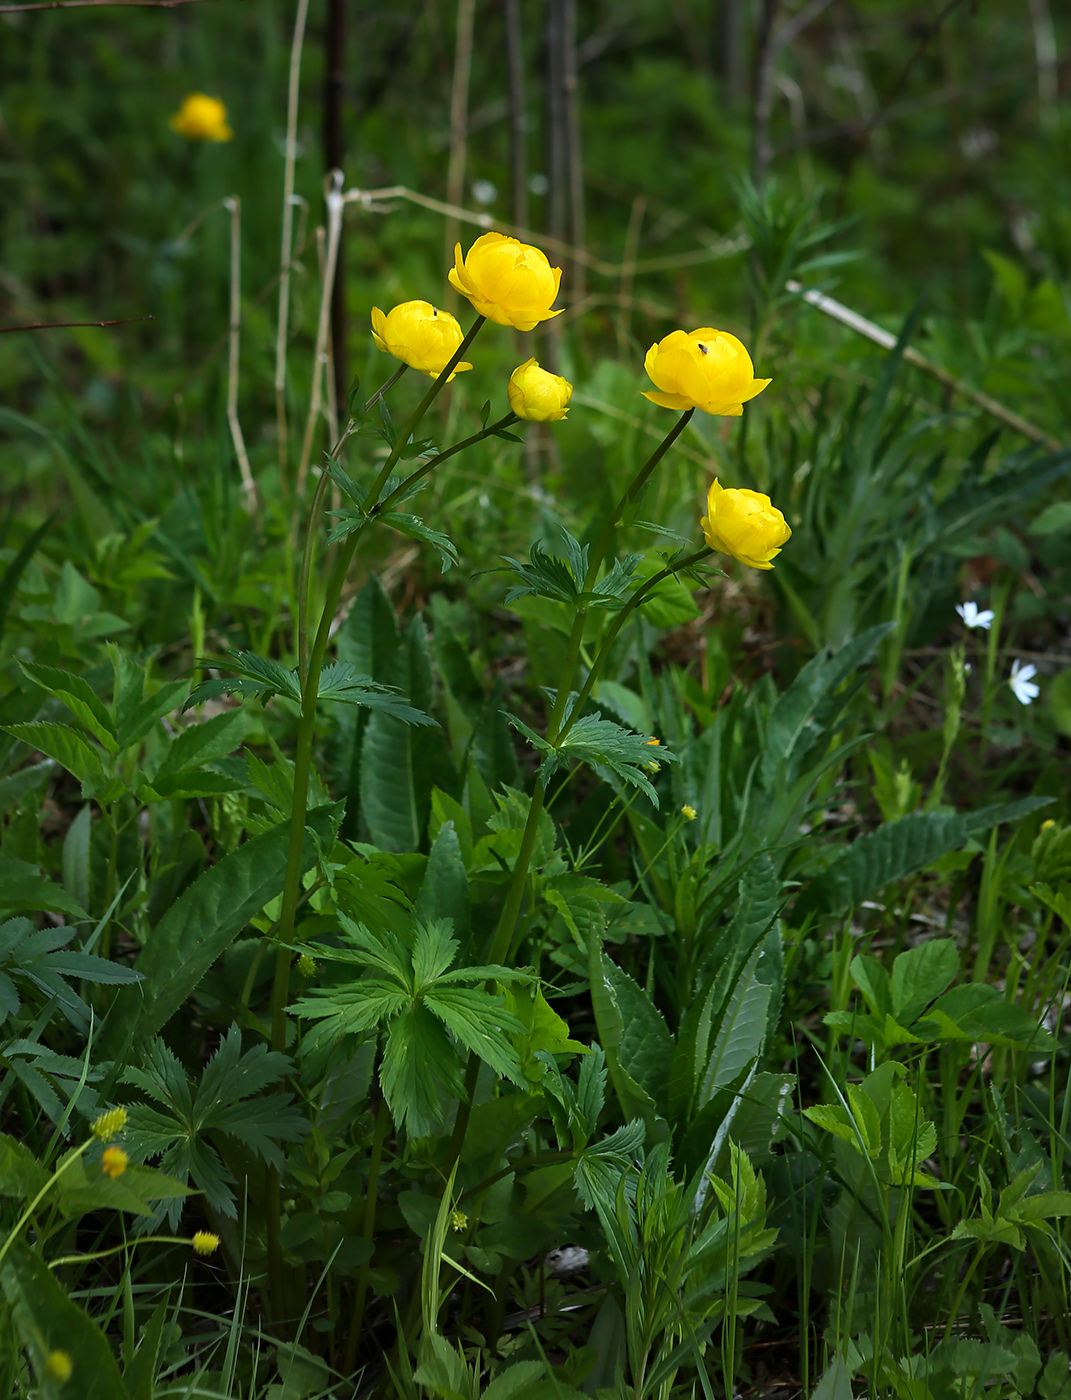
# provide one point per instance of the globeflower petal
(509, 282)
(745, 525)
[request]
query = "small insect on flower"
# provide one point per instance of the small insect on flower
(201, 118)
(106, 1125)
(113, 1162)
(459, 1220)
(973, 616)
(537, 395)
(205, 1242)
(1022, 684)
(688, 812)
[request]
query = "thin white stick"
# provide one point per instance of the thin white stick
(336, 202)
(234, 205)
(286, 251)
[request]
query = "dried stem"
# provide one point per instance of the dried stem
(518, 134)
(234, 206)
(459, 116)
(287, 248)
(336, 202)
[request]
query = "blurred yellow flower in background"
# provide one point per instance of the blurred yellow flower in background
(507, 281)
(201, 118)
(107, 1124)
(113, 1162)
(420, 335)
(58, 1366)
(705, 369)
(744, 524)
(205, 1242)
(538, 395)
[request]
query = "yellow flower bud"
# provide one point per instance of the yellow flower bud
(113, 1162)
(205, 1242)
(507, 281)
(306, 965)
(202, 118)
(744, 524)
(58, 1367)
(106, 1125)
(688, 812)
(420, 335)
(538, 395)
(705, 369)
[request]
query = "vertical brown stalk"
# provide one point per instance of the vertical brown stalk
(765, 59)
(574, 154)
(459, 118)
(557, 127)
(731, 49)
(334, 152)
(518, 117)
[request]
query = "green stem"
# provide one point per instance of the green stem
(441, 457)
(302, 769)
(110, 879)
(28, 1212)
(370, 1201)
(961, 1291)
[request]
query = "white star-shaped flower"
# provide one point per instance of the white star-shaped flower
(1021, 681)
(973, 616)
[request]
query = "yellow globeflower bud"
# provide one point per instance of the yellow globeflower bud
(705, 369)
(744, 524)
(113, 1162)
(202, 118)
(58, 1367)
(106, 1125)
(538, 395)
(205, 1242)
(419, 335)
(507, 281)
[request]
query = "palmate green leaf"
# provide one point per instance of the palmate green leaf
(253, 677)
(420, 1063)
(599, 1168)
(602, 743)
(47, 1320)
(415, 529)
(481, 1023)
(544, 576)
(342, 681)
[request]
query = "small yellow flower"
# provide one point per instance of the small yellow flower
(509, 282)
(113, 1162)
(652, 767)
(704, 369)
(201, 118)
(744, 524)
(688, 812)
(1047, 824)
(306, 965)
(420, 335)
(205, 1242)
(459, 1220)
(106, 1125)
(58, 1367)
(538, 395)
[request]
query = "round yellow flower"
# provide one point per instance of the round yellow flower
(419, 335)
(704, 369)
(106, 1125)
(113, 1162)
(58, 1367)
(538, 395)
(509, 282)
(201, 118)
(688, 812)
(205, 1242)
(744, 524)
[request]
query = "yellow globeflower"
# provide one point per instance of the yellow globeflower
(507, 281)
(201, 118)
(688, 812)
(419, 335)
(705, 369)
(538, 395)
(113, 1162)
(205, 1242)
(744, 524)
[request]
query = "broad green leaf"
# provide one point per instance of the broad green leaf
(445, 891)
(203, 921)
(76, 857)
(62, 743)
(201, 743)
(47, 1321)
(22, 886)
(646, 1049)
(920, 975)
(79, 697)
(634, 1099)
